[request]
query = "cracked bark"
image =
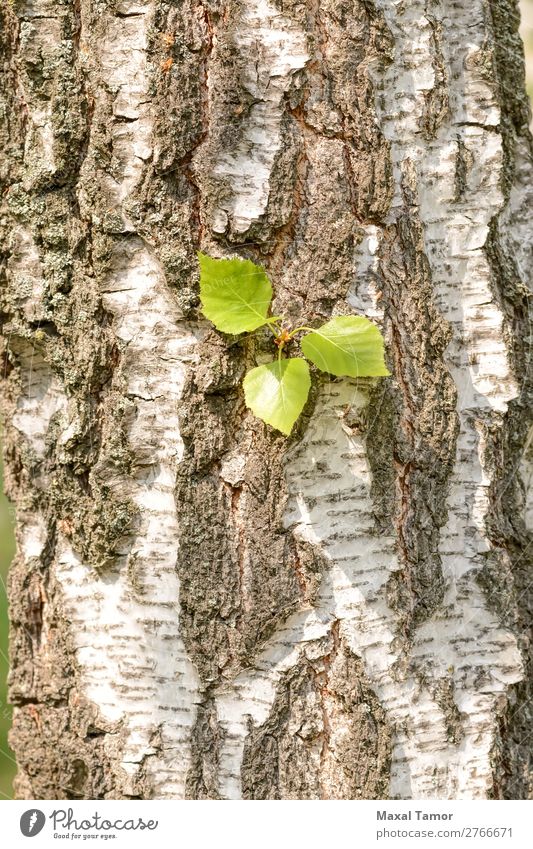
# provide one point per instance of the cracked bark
(201, 608)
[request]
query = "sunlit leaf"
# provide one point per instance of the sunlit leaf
(277, 392)
(347, 345)
(235, 293)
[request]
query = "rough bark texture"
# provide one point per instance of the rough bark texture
(201, 607)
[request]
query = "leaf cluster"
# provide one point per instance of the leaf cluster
(236, 296)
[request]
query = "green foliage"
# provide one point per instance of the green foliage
(277, 392)
(347, 345)
(236, 295)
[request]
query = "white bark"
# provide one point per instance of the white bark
(272, 49)
(129, 648)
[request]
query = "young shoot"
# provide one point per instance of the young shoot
(236, 296)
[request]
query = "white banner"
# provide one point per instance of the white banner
(276, 825)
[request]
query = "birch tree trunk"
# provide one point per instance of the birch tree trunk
(201, 607)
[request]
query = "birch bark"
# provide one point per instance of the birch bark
(200, 607)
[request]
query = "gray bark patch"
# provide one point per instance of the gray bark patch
(326, 736)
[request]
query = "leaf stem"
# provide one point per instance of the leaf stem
(273, 323)
(297, 330)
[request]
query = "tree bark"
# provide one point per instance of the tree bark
(201, 607)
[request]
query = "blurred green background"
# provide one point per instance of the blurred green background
(7, 547)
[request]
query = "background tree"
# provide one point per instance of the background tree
(200, 606)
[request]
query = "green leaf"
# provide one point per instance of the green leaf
(347, 345)
(277, 392)
(235, 293)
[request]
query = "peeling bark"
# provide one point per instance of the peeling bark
(201, 608)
